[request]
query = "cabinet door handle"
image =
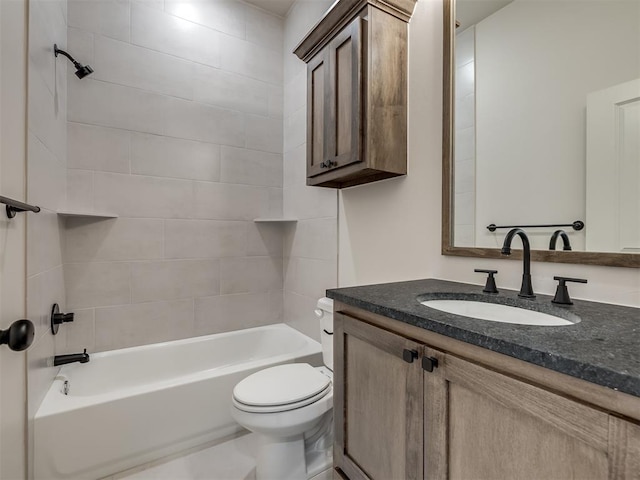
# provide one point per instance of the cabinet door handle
(328, 164)
(429, 363)
(409, 355)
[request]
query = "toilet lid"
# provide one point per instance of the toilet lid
(282, 385)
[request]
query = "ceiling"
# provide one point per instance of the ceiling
(279, 7)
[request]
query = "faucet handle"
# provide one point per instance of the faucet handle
(562, 292)
(490, 286)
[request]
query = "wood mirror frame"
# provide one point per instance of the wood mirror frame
(587, 258)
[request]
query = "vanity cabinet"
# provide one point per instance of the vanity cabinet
(357, 93)
(464, 419)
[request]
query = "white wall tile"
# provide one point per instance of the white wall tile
(143, 323)
(250, 274)
(47, 112)
(90, 240)
(298, 313)
(223, 201)
(464, 46)
(140, 196)
(80, 333)
(172, 157)
(264, 133)
(97, 284)
(265, 239)
(80, 42)
(80, 190)
(295, 129)
(47, 27)
(230, 90)
(252, 60)
(205, 123)
(235, 312)
(465, 112)
(222, 15)
(264, 28)
(173, 279)
(295, 93)
(276, 101)
(46, 176)
(204, 239)
(104, 17)
(44, 242)
(311, 277)
(138, 67)
(251, 167)
(156, 30)
(110, 105)
(465, 148)
(316, 238)
(98, 148)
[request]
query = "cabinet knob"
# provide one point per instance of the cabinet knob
(409, 355)
(429, 363)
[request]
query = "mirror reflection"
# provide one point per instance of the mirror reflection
(547, 123)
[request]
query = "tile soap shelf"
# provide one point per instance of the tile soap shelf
(69, 212)
(275, 220)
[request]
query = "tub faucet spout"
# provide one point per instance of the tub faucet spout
(74, 357)
(526, 289)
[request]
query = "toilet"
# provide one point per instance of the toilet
(290, 407)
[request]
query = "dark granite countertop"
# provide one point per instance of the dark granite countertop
(603, 348)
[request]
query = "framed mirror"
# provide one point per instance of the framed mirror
(541, 129)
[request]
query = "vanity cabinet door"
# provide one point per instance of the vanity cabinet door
(377, 402)
(485, 425)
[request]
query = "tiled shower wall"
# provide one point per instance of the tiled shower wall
(179, 133)
(465, 140)
(311, 245)
(46, 187)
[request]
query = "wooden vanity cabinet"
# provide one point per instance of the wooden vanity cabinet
(463, 420)
(357, 93)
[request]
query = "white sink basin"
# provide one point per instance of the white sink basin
(496, 312)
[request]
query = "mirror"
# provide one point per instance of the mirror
(541, 128)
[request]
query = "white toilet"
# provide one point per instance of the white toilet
(291, 408)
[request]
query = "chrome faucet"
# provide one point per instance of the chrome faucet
(526, 289)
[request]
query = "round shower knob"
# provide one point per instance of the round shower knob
(19, 336)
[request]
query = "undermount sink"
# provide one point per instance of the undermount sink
(478, 307)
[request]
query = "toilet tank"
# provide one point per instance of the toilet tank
(324, 312)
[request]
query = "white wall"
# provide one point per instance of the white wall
(536, 62)
(390, 231)
(13, 104)
(310, 246)
(179, 132)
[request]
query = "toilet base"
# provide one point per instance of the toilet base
(300, 457)
(281, 458)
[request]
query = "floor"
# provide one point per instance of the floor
(230, 460)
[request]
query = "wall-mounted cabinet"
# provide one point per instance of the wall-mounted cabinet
(357, 93)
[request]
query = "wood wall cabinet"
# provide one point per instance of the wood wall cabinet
(357, 93)
(462, 420)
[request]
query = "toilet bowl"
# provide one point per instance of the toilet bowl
(291, 408)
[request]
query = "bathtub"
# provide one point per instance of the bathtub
(128, 407)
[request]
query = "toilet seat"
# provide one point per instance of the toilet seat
(281, 388)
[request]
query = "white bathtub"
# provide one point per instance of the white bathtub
(128, 407)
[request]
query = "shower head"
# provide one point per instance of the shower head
(81, 70)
